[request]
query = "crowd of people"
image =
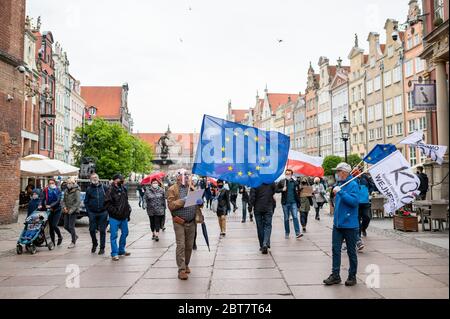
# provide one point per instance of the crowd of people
(348, 197)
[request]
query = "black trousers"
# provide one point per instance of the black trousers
(233, 198)
(155, 223)
(364, 217)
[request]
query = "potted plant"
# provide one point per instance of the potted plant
(405, 221)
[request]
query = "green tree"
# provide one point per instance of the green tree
(111, 145)
(353, 160)
(142, 156)
(329, 163)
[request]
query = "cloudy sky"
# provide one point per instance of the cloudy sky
(185, 58)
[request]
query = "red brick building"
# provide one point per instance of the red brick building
(46, 68)
(12, 21)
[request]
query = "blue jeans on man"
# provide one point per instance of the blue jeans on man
(290, 209)
(351, 236)
(98, 221)
(264, 228)
(115, 225)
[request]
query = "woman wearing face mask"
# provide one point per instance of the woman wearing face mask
(156, 206)
(319, 196)
(223, 206)
(71, 207)
(52, 200)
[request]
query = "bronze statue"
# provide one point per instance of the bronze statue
(163, 143)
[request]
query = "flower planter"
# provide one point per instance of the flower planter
(406, 223)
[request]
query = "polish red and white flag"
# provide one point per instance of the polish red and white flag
(306, 165)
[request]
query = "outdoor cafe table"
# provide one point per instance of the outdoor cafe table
(425, 205)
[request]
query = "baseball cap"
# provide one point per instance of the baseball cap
(343, 167)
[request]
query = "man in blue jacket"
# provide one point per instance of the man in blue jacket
(94, 201)
(345, 225)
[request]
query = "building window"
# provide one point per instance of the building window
(371, 135)
(355, 138)
(361, 116)
(423, 123)
(379, 133)
(49, 138)
(390, 51)
(370, 113)
(359, 96)
(396, 74)
(412, 155)
(416, 39)
(399, 128)
(439, 9)
(372, 62)
(42, 137)
(369, 86)
(398, 109)
(390, 130)
(378, 111)
(388, 107)
(409, 43)
(409, 68)
(387, 78)
(420, 65)
(354, 117)
(410, 101)
(377, 83)
(412, 126)
(361, 137)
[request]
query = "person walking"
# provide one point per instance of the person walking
(366, 187)
(208, 194)
(305, 203)
(319, 196)
(141, 193)
(245, 199)
(263, 203)
(119, 210)
(71, 207)
(52, 200)
(155, 198)
(94, 201)
(183, 221)
(223, 206)
(234, 189)
(345, 225)
(290, 201)
(424, 183)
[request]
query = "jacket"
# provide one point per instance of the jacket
(319, 193)
(234, 188)
(423, 187)
(156, 201)
(366, 187)
(72, 200)
(94, 201)
(261, 198)
(54, 205)
(116, 202)
(280, 187)
(346, 205)
(223, 201)
(244, 192)
(175, 203)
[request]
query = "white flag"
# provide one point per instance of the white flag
(413, 138)
(435, 152)
(396, 181)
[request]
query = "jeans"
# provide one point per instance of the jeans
(291, 209)
(53, 220)
(364, 217)
(264, 227)
(304, 218)
(69, 225)
(115, 225)
(244, 210)
(350, 235)
(98, 220)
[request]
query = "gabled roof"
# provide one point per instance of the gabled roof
(239, 115)
(277, 99)
(107, 99)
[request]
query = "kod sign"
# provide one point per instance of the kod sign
(424, 97)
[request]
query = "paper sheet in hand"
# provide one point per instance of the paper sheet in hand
(192, 197)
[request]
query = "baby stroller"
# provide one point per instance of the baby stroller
(35, 233)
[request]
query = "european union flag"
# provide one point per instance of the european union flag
(379, 152)
(240, 154)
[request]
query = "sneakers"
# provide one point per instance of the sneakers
(101, 251)
(72, 245)
(59, 241)
(264, 250)
(332, 280)
(182, 275)
(94, 248)
(125, 254)
(286, 236)
(359, 245)
(188, 270)
(351, 281)
(304, 229)
(299, 236)
(153, 237)
(242, 221)
(115, 258)
(156, 238)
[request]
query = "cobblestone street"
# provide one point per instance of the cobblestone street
(234, 268)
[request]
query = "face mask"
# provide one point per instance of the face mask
(155, 185)
(35, 196)
(288, 177)
(53, 186)
(220, 186)
(94, 181)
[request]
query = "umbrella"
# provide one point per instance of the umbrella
(212, 181)
(149, 178)
(38, 165)
(205, 234)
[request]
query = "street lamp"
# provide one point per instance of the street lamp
(345, 133)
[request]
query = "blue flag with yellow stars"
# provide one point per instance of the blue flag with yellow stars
(240, 154)
(379, 152)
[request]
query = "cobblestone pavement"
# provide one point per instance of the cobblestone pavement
(234, 268)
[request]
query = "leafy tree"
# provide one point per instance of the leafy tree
(353, 160)
(142, 156)
(329, 163)
(111, 145)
